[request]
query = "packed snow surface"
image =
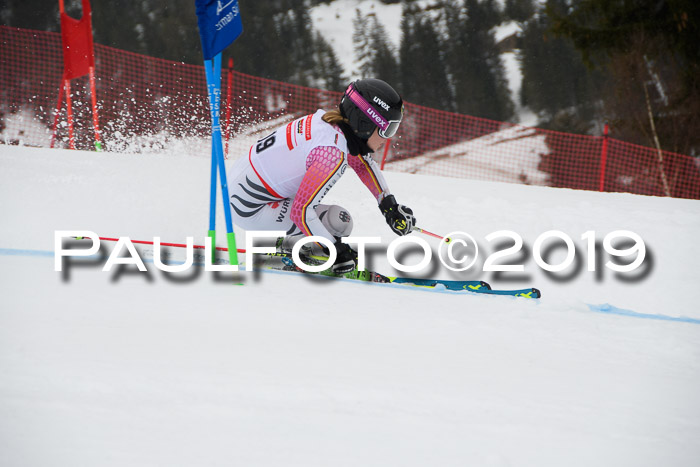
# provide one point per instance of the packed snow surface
(485, 157)
(151, 368)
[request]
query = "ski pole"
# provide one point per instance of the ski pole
(423, 231)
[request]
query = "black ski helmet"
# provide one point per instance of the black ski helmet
(371, 103)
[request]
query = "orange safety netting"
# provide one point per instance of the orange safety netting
(152, 105)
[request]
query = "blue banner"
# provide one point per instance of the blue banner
(219, 25)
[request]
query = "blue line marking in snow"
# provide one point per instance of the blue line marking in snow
(605, 308)
(15, 252)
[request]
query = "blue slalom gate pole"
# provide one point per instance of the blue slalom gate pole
(219, 25)
(214, 171)
(212, 69)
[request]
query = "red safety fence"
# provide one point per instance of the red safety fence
(153, 105)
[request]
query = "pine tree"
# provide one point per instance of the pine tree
(278, 42)
(361, 46)
(373, 52)
(433, 85)
(167, 31)
(408, 49)
(253, 50)
(422, 62)
(474, 62)
(519, 10)
(33, 14)
(297, 37)
(555, 80)
(329, 71)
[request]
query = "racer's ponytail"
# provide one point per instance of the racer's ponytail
(334, 117)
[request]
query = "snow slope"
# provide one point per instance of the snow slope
(475, 157)
(130, 368)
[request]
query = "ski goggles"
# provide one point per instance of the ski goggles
(387, 128)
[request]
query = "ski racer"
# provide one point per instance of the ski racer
(282, 182)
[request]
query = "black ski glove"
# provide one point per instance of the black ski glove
(399, 217)
(346, 261)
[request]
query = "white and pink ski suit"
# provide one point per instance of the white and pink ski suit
(281, 182)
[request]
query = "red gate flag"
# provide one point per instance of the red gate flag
(78, 52)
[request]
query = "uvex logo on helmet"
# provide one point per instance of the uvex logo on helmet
(378, 118)
(384, 105)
